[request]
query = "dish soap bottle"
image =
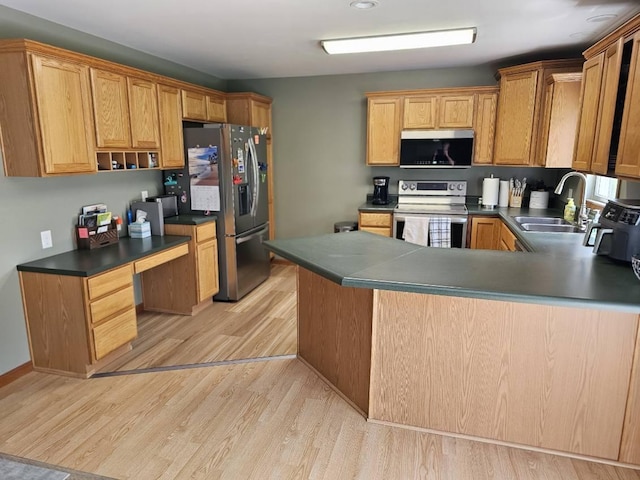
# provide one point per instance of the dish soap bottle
(570, 210)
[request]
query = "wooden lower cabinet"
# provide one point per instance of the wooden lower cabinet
(73, 322)
(378, 223)
(507, 239)
(485, 233)
(491, 233)
(180, 286)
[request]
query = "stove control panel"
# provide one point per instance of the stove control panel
(439, 188)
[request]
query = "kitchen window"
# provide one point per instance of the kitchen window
(601, 189)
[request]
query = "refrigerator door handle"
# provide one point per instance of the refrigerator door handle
(256, 177)
(252, 234)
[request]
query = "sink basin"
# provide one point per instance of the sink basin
(549, 227)
(542, 220)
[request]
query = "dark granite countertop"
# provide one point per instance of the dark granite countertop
(189, 219)
(369, 207)
(85, 263)
(559, 271)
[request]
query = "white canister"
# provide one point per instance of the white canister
(539, 199)
(503, 200)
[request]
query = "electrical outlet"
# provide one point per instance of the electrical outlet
(46, 239)
(144, 194)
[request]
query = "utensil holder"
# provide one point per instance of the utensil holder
(515, 201)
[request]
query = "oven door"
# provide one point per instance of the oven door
(458, 227)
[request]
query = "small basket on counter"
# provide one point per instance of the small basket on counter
(92, 237)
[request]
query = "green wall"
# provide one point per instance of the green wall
(30, 205)
(319, 149)
(319, 139)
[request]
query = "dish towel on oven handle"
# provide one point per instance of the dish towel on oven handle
(416, 230)
(440, 232)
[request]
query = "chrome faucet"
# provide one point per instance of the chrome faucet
(582, 214)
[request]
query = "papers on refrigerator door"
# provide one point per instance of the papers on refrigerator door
(205, 197)
(203, 177)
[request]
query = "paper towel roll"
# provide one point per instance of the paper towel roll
(503, 200)
(490, 191)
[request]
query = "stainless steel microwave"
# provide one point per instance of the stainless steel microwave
(436, 148)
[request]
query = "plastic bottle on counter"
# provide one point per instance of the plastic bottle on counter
(570, 210)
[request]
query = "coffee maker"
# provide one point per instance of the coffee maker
(380, 191)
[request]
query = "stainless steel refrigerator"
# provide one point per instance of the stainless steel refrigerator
(226, 176)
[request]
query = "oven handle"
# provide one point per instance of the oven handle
(454, 218)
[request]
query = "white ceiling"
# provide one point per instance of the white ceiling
(235, 39)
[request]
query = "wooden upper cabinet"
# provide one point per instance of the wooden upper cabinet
(420, 112)
(559, 121)
(612, 62)
(143, 108)
(194, 105)
(628, 157)
(516, 114)
(110, 109)
(170, 115)
(455, 111)
(216, 109)
(588, 115)
(384, 121)
(519, 127)
(438, 111)
(249, 109)
(63, 100)
(484, 126)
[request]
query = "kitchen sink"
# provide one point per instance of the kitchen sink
(549, 227)
(545, 224)
(541, 220)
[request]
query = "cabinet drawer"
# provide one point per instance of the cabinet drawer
(114, 333)
(111, 304)
(160, 258)
(205, 232)
(375, 219)
(112, 280)
(384, 231)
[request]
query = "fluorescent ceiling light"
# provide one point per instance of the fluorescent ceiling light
(407, 41)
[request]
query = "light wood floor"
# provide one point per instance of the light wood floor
(265, 419)
(262, 324)
(274, 419)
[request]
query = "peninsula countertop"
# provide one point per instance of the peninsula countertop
(559, 270)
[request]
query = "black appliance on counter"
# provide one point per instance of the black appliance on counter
(169, 204)
(380, 191)
(617, 234)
